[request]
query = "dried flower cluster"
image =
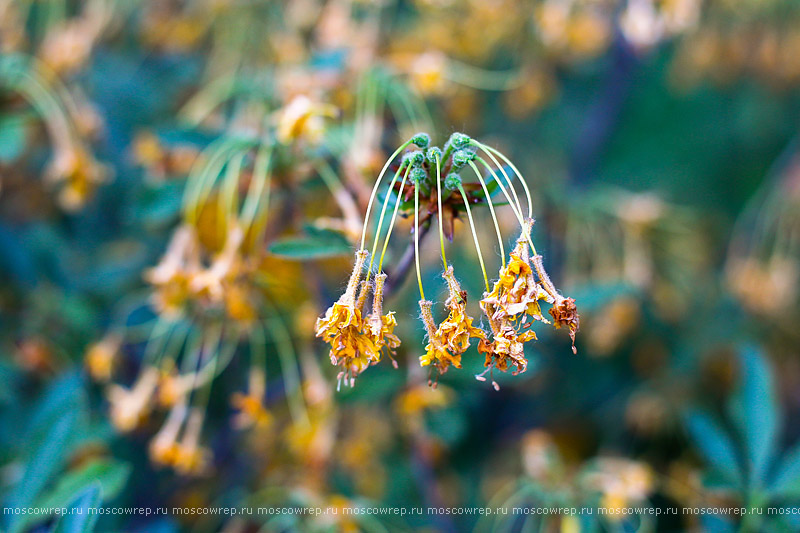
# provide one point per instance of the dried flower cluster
(510, 306)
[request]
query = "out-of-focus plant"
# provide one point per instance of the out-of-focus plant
(73, 171)
(58, 453)
(566, 491)
(746, 464)
(762, 265)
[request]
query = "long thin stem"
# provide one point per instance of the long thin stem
(202, 176)
(205, 393)
(489, 150)
(416, 240)
(162, 328)
(394, 217)
(525, 186)
(375, 189)
(377, 236)
(439, 202)
(517, 209)
(491, 210)
(474, 235)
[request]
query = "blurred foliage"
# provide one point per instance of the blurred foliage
(183, 185)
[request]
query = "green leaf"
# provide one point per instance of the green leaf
(111, 475)
(786, 482)
(754, 409)
(80, 519)
(64, 395)
(715, 446)
(320, 245)
(45, 462)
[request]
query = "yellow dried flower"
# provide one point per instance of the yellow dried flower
(516, 291)
(451, 339)
(353, 346)
(506, 349)
(565, 313)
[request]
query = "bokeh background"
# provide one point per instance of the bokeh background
(658, 137)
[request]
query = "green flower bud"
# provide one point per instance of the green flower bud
(418, 175)
(459, 140)
(462, 157)
(423, 140)
(415, 158)
(433, 154)
(452, 181)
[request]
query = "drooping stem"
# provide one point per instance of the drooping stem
(416, 240)
(394, 218)
(403, 267)
(228, 206)
(482, 79)
(204, 173)
(521, 179)
(375, 188)
(491, 152)
(517, 209)
(474, 235)
(439, 202)
(380, 219)
(491, 210)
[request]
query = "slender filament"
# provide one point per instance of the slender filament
(439, 201)
(491, 210)
(394, 217)
(416, 240)
(375, 189)
(474, 235)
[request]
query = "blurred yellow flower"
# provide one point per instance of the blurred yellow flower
(130, 406)
(303, 119)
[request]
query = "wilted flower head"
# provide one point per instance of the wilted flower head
(451, 339)
(356, 341)
(516, 294)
